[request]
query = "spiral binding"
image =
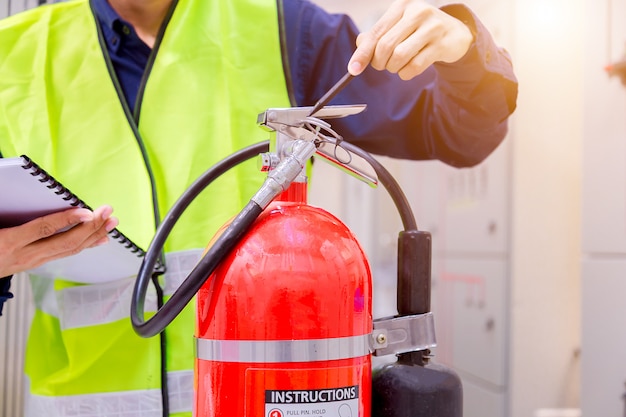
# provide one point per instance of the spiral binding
(58, 188)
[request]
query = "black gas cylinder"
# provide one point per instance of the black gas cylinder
(413, 386)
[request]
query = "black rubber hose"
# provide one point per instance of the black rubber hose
(231, 235)
(390, 184)
(207, 264)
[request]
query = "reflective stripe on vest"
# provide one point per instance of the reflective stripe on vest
(282, 351)
(90, 305)
(146, 403)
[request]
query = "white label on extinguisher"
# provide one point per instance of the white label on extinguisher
(333, 402)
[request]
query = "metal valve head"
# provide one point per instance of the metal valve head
(294, 123)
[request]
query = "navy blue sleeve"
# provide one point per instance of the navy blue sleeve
(456, 113)
(5, 285)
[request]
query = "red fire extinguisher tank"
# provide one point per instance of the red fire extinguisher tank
(283, 324)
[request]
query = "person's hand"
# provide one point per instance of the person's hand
(53, 236)
(408, 38)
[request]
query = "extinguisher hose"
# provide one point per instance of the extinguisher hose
(414, 250)
(190, 286)
(414, 280)
(390, 184)
(276, 182)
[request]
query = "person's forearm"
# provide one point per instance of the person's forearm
(478, 93)
(452, 112)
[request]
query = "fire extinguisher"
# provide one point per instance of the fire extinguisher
(284, 293)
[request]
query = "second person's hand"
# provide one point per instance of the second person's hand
(408, 38)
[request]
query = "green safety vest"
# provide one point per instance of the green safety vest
(218, 65)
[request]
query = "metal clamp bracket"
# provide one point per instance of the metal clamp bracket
(395, 335)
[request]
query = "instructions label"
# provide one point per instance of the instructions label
(329, 402)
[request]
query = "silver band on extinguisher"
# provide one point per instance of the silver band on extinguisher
(281, 351)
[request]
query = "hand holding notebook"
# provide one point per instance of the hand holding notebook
(28, 192)
(57, 235)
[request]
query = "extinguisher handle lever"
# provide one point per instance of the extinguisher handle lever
(297, 123)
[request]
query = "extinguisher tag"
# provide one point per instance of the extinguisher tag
(321, 391)
(341, 402)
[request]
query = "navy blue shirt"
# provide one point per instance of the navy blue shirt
(404, 119)
(128, 53)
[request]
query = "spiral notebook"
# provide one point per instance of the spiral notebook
(27, 191)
